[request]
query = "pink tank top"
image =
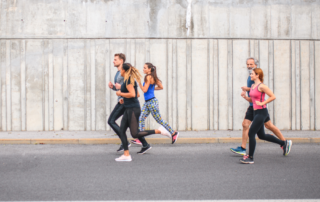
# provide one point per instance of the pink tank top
(256, 95)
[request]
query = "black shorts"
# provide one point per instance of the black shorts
(249, 115)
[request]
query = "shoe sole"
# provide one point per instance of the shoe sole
(127, 160)
(237, 153)
(145, 151)
(244, 162)
(177, 135)
(289, 148)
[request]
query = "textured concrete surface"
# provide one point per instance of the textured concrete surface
(166, 172)
(56, 60)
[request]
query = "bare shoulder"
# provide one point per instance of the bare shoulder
(263, 87)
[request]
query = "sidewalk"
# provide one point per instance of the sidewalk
(109, 137)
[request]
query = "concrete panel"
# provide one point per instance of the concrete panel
(293, 85)
(76, 84)
(47, 50)
(315, 21)
(108, 104)
(317, 84)
(260, 21)
(301, 21)
(219, 16)
(200, 18)
(215, 57)
(210, 85)
(177, 19)
(8, 86)
(229, 84)
(312, 85)
(282, 84)
(271, 77)
(58, 84)
(305, 85)
(170, 87)
(264, 59)
(280, 21)
(16, 85)
(88, 112)
(158, 57)
(34, 85)
(182, 83)
(45, 18)
(93, 78)
(50, 86)
(189, 84)
(240, 75)
(76, 18)
(297, 84)
(96, 21)
(65, 86)
(100, 82)
(199, 85)
(175, 86)
(3, 85)
(23, 84)
(240, 22)
(223, 86)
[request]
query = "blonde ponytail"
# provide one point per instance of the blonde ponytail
(133, 74)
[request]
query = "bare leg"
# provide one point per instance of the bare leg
(275, 130)
(245, 125)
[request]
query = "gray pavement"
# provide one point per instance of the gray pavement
(167, 172)
(111, 134)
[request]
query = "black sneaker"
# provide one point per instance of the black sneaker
(246, 160)
(144, 149)
(121, 148)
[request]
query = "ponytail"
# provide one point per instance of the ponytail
(131, 73)
(153, 73)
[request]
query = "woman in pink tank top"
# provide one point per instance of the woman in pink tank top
(257, 97)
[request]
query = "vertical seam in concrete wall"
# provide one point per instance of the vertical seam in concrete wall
(147, 123)
(1, 53)
(68, 85)
(312, 85)
(218, 84)
(51, 87)
(167, 82)
(300, 84)
(8, 84)
(85, 58)
(230, 84)
(43, 86)
(93, 84)
(176, 86)
(290, 48)
(208, 85)
(108, 90)
(297, 85)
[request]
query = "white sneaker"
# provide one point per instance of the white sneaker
(164, 132)
(124, 158)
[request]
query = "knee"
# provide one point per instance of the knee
(268, 125)
(110, 121)
(245, 125)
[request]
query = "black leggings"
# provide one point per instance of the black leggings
(118, 111)
(130, 120)
(257, 127)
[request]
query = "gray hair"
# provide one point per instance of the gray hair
(256, 61)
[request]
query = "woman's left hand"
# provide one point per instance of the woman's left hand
(118, 86)
(118, 93)
(259, 103)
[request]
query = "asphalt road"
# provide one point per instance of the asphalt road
(167, 172)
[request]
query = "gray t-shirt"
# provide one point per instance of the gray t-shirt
(118, 79)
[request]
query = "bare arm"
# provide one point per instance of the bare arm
(146, 85)
(263, 88)
(245, 88)
(243, 94)
(159, 86)
(130, 94)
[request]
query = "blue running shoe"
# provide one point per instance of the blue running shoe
(239, 151)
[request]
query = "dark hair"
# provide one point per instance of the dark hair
(153, 73)
(131, 73)
(121, 56)
(259, 72)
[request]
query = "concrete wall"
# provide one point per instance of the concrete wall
(56, 60)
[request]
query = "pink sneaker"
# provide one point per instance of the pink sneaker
(136, 141)
(175, 137)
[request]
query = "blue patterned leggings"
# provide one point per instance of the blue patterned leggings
(152, 106)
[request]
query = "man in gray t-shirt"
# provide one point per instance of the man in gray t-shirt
(119, 109)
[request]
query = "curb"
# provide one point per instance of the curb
(92, 141)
